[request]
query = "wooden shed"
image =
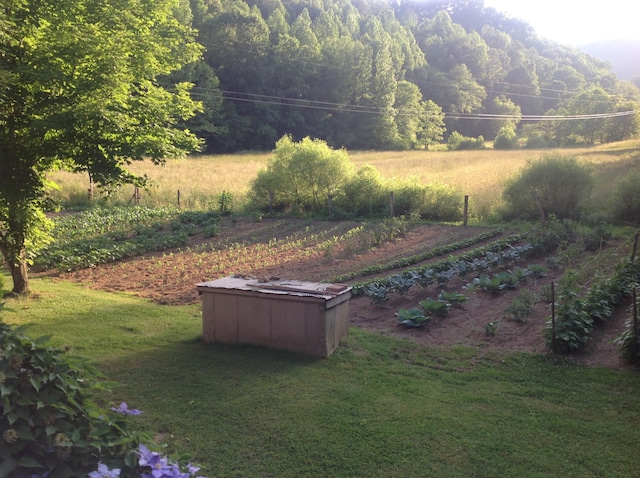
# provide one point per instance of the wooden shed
(304, 317)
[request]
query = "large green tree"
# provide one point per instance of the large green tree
(79, 91)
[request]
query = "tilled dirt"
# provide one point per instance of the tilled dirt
(170, 278)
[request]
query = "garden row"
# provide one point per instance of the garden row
(480, 259)
(100, 235)
(577, 312)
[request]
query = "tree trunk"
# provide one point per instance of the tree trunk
(20, 277)
(12, 247)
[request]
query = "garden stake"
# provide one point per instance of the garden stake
(635, 321)
(553, 317)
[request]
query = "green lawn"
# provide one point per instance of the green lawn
(379, 407)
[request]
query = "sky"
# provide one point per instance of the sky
(576, 22)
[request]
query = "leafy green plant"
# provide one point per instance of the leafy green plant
(538, 270)
(597, 237)
(377, 293)
(438, 307)
(629, 341)
(495, 283)
(50, 422)
(521, 306)
(573, 324)
(413, 317)
(225, 203)
(491, 328)
(453, 298)
(51, 425)
(521, 274)
(401, 284)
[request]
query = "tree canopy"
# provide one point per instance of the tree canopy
(341, 71)
(80, 89)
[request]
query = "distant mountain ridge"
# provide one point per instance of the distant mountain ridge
(623, 55)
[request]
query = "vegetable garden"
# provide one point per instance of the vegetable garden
(444, 285)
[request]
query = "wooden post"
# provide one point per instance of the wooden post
(90, 191)
(392, 204)
(178, 198)
(635, 323)
(136, 196)
(466, 210)
(539, 206)
(553, 317)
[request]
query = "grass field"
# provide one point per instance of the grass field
(479, 174)
(379, 407)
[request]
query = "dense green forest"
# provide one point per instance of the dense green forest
(376, 74)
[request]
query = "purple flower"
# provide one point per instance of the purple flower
(104, 472)
(123, 408)
(161, 467)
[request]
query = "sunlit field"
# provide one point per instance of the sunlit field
(199, 180)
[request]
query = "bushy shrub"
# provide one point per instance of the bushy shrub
(537, 140)
(506, 138)
(457, 141)
(625, 204)
(559, 184)
(301, 176)
(409, 196)
(442, 203)
(434, 201)
(365, 193)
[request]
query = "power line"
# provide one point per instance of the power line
(349, 108)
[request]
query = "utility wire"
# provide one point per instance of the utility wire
(349, 108)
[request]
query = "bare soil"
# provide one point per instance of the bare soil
(170, 278)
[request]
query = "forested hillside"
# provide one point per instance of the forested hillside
(376, 74)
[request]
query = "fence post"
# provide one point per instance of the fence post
(90, 190)
(466, 209)
(635, 324)
(553, 317)
(540, 208)
(178, 199)
(392, 204)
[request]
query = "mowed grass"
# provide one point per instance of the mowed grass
(479, 174)
(378, 407)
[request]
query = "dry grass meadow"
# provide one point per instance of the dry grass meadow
(201, 179)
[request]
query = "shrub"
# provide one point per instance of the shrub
(301, 176)
(538, 140)
(558, 184)
(625, 205)
(506, 138)
(442, 203)
(457, 141)
(365, 193)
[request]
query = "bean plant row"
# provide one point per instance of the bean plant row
(577, 313)
(99, 236)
